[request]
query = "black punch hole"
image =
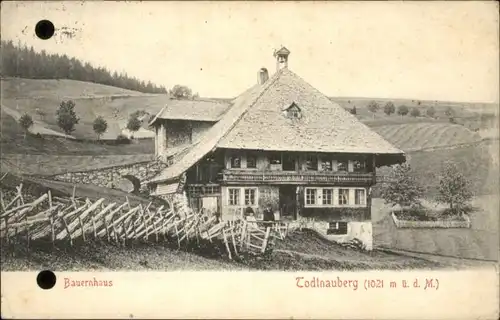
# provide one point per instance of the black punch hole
(46, 279)
(44, 29)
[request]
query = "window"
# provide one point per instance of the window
(343, 196)
(327, 196)
(359, 197)
(359, 166)
(234, 197)
(311, 196)
(293, 112)
(342, 165)
(337, 228)
(326, 165)
(235, 162)
(251, 161)
(275, 158)
(250, 199)
(312, 162)
(289, 161)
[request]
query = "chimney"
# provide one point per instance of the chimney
(262, 76)
(281, 56)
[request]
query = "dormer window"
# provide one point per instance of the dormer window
(293, 111)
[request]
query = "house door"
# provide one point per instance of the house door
(288, 202)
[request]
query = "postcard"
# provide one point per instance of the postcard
(249, 160)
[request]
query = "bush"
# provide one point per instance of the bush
(100, 126)
(66, 116)
(389, 108)
(404, 189)
(122, 139)
(415, 112)
(454, 188)
(431, 112)
(403, 110)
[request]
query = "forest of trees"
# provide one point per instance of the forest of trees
(24, 62)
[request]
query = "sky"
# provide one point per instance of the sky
(416, 50)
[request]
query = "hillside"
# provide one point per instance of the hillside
(41, 99)
(12, 141)
(26, 62)
(417, 136)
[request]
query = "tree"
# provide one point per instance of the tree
(449, 112)
(373, 107)
(403, 190)
(415, 112)
(431, 112)
(403, 110)
(389, 108)
(353, 110)
(66, 116)
(134, 124)
(454, 189)
(181, 92)
(100, 126)
(26, 122)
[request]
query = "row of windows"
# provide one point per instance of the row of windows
(325, 197)
(249, 196)
(312, 163)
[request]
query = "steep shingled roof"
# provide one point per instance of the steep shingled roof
(256, 121)
(210, 139)
(195, 110)
(324, 126)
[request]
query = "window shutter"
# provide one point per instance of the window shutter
(334, 165)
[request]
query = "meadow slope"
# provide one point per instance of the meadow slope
(41, 99)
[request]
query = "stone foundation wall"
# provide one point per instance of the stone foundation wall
(111, 177)
(362, 231)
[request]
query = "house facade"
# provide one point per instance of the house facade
(281, 144)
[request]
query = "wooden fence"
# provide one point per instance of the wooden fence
(69, 219)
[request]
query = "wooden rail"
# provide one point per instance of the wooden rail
(296, 177)
(72, 219)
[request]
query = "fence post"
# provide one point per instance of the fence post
(266, 239)
(67, 230)
(7, 230)
(81, 227)
(227, 244)
(27, 231)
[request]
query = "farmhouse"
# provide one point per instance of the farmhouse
(281, 144)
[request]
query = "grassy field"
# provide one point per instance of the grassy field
(474, 161)
(415, 136)
(478, 242)
(13, 141)
(37, 187)
(41, 98)
(460, 109)
(55, 164)
(302, 250)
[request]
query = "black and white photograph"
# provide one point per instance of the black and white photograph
(249, 136)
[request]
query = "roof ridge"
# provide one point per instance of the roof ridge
(243, 104)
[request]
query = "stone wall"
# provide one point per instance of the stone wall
(110, 177)
(432, 224)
